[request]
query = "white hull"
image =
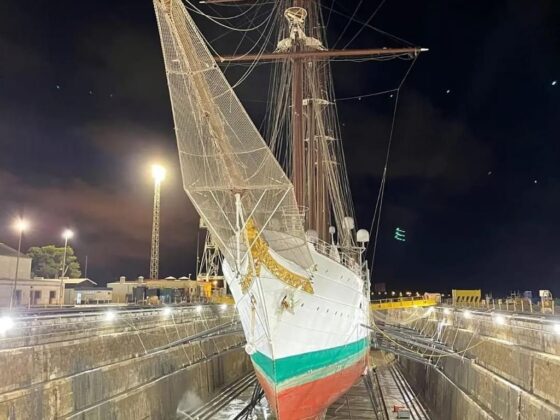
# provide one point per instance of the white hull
(331, 316)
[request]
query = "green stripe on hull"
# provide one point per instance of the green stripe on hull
(313, 365)
(313, 375)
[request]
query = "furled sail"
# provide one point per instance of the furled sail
(221, 151)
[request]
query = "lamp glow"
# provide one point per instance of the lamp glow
(158, 173)
(199, 309)
(110, 315)
(167, 311)
(499, 319)
(67, 234)
(21, 225)
(557, 328)
(467, 314)
(6, 323)
(446, 311)
(223, 306)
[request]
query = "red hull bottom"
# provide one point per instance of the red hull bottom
(310, 401)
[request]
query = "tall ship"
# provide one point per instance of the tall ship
(280, 210)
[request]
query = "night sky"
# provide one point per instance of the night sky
(474, 174)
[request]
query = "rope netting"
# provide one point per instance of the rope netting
(221, 151)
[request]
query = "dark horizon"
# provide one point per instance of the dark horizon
(473, 175)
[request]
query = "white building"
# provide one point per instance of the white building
(170, 290)
(8, 260)
(84, 291)
(30, 292)
(87, 295)
(34, 292)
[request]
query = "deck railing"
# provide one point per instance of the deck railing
(342, 256)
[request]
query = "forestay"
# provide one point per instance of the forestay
(221, 151)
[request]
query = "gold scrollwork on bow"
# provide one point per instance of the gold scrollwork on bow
(261, 256)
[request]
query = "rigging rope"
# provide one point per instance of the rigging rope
(222, 17)
(319, 86)
(379, 203)
(366, 22)
(382, 32)
(367, 95)
(265, 33)
(348, 24)
(330, 14)
(190, 6)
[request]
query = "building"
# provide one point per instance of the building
(123, 291)
(85, 295)
(74, 283)
(85, 291)
(29, 292)
(169, 290)
(8, 261)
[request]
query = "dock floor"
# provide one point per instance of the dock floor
(355, 404)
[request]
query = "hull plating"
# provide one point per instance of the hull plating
(307, 349)
(310, 400)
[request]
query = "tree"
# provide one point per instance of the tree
(47, 262)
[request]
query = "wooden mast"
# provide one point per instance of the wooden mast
(308, 151)
(298, 146)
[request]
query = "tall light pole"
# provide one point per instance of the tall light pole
(21, 226)
(158, 173)
(67, 234)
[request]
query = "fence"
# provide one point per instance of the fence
(512, 305)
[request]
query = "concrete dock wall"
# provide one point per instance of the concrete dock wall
(509, 371)
(128, 368)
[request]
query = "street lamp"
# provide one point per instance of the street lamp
(158, 173)
(67, 234)
(20, 225)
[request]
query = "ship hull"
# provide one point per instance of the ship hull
(307, 348)
(309, 395)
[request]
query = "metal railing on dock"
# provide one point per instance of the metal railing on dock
(510, 305)
(402, 303)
